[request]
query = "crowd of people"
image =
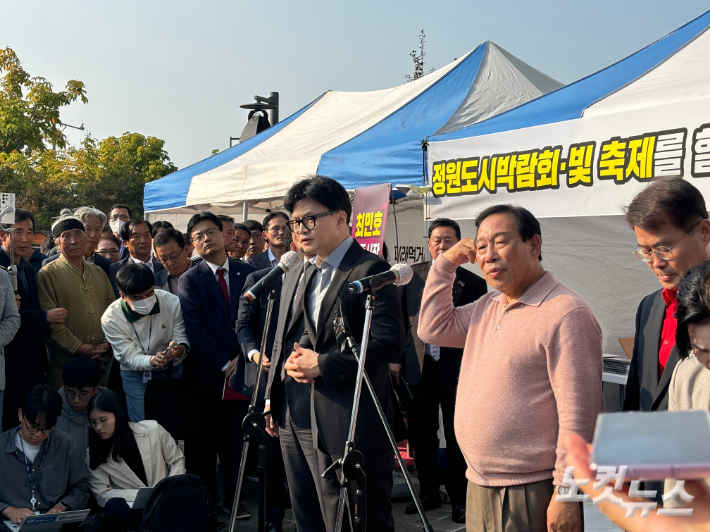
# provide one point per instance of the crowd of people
(108, 315)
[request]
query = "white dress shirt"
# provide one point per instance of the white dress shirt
(324, 276)
(149, 263)
(273, 260)
(215, 267)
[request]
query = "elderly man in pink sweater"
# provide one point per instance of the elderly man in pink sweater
(531, 374)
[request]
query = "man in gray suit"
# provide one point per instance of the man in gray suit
(9, 325)
(274, 233)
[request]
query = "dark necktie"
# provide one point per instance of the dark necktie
(223, 284)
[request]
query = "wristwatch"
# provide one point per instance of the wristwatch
(64, 505)
(563, 491)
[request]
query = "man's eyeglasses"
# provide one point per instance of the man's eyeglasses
(309, 222)
(71, 394)
(173, 257)
(242, 243)
(112, 251)
(276, 229)
(255, 236)
(122, 217)
(199, 237)
(662, 252)
(32, 429)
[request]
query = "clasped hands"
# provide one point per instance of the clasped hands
(302, 365)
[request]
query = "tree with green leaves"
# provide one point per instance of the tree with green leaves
(44, 173)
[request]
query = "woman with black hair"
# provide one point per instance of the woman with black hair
(124, 457)
(690, 384)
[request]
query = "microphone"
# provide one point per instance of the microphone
(288, 261)
(399, 274)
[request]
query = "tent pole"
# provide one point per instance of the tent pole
(245, 211)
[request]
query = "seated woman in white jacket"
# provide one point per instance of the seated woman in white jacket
(124, 457)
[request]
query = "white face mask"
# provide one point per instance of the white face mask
(144, 306)
(116, 225)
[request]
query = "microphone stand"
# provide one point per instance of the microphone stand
(254, 426)
(352, 462)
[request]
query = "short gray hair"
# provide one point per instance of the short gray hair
(83, 212)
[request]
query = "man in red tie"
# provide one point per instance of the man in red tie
(672, 230)
(209, 297)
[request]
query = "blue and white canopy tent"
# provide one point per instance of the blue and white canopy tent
(575, 156)
(358, 138)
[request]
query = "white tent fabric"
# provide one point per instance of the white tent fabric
(486, 99)
(358, 138)
(683, 77)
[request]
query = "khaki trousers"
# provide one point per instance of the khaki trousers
(521, 508)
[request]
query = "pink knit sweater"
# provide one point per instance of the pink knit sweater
(531, 373)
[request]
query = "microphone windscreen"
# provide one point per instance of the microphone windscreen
(290, 260)
(405, 273)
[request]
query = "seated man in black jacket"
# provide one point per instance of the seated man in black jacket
(42, 469)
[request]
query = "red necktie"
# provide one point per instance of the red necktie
(223, 284)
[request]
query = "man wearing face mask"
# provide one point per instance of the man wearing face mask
(146, 331)
(432, 374)
(119, 215)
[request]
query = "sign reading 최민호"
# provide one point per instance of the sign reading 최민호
(370, 216)
(588, 166)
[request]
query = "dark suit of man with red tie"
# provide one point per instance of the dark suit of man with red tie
(209, 296)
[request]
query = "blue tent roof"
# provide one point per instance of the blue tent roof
(570, 101)
(387, 152)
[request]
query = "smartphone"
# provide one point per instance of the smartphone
(654, 445)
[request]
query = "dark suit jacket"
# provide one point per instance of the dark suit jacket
(332, 393)
(251, 320)
(644, 390)
(467, 288)
(27, 352)
(260, 261)
(101, 262)
(209, 323)
(125, 253)
(115, 266)
(36, 260)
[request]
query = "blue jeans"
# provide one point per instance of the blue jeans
(134, 387)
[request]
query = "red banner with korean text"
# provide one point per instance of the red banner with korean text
(370, 216)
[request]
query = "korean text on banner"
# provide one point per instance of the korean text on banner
(583, 167)
(370, 216)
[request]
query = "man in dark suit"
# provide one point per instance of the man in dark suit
(136, 235)
(250, 325)
(321, 210)
(26, 355)
(274, 233)
(209, 296)
(672, 229)
(172, 252)
(94, 220)
(432, 374)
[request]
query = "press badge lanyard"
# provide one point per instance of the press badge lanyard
(33, 500)
(146, 374)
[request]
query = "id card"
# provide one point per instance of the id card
(147, 375)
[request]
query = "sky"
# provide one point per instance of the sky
(178, 70)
